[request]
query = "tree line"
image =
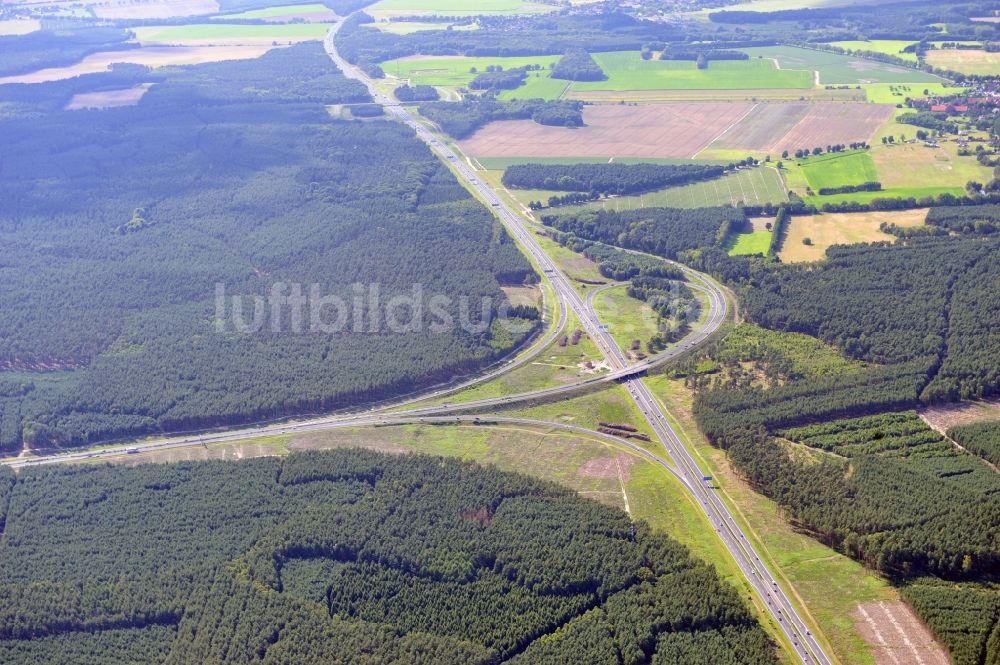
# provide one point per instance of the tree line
(603, 178)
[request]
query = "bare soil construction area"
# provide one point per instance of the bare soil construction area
(152, 56)
(652, 130)
(683, 129)
(108, 99)
(897, 636)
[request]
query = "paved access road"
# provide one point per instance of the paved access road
(748, 561)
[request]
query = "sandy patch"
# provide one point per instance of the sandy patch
(127, 9)
(945, 416)
(108, 99)
(152, 56)
(652, 130)
(619, 466)
(897, 636)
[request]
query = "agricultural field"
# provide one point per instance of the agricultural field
(391, 8)
(755, 242)
(237, 35)
(409, 27)
(825, 124)
(834, 69)
(840, 229)
(153, 9)
(651, 130)
(314, 13)
(838, 169)
(626, 71)
(887, 46)
(771, 128)
(752, 95)
(150, 56)
(884, 193)
(897, 93)
(750, 186)
(966, 61)
(906, 165)
(456, 71)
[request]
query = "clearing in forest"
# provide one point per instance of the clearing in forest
(847, 228)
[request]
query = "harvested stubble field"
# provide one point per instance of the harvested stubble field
(834, 123)
(684, 129)
(314, 13)
(733, 95)
(653, 130)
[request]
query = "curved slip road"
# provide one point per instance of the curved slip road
(803, 642)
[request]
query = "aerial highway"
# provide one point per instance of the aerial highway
(678, 460)
(777, 603)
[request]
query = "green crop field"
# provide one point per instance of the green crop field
(456, 7)
(889, 193)
(838, 169)
(209, 31)
(887, 46)
(837, 69)
(754, 186)
(897, 93)
(757, 242)
(627, 70)
(456, 72)
(276, 12)
(539, 85)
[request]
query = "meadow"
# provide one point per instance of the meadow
(457, 71)
(627, 319)
(838, 169)
(887, 46)
(885, 193)
(756, 242)
(966, 61)
(752, 186)
(627, 70)
(837, 69)
(840, 229)
(913, 163)
(897, 93)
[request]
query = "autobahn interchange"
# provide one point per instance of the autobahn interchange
(678, 460)
(777, 602)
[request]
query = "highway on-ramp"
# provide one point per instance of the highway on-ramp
(746, 558)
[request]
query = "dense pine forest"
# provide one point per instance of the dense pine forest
(291, 560)
(119, 224)
(662, 231)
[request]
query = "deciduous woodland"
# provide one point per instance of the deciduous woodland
(291, 561)
(233, 174)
